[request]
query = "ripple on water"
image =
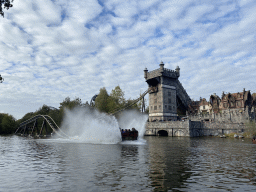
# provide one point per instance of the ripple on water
(152, 164)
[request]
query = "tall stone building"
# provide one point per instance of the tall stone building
(167, 94)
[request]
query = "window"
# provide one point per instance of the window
(169, 107)
(169, 100)
(159, 106)
(155, 107)
(204, 107)
(169, 94)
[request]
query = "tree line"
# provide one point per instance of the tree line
(104, 102)
(7, 124)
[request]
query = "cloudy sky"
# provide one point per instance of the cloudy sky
(54, 49)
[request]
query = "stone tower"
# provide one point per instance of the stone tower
(166, 93)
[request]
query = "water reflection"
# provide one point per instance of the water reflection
(160, 164)
(220, 164)
(179, 164)
(125, 172)
(168, 162)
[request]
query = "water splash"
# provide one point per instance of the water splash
(86, 125)
(132, 118)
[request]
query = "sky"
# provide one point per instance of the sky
(55, 49)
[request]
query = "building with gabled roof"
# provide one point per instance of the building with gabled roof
(240, 101)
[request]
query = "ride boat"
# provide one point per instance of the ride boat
(128, 134)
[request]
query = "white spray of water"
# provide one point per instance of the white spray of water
(133, 119)
(87, 125)
(90, 126)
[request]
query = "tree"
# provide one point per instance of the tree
(135, 106)
(1, 117)
(5, 4)
(56, 116)
(8, 124)
(44, 110)
(116, 99)
(118, 95)
(102, 101)
(67, 103)
(26, 117)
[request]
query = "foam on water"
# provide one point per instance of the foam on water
(90, 126)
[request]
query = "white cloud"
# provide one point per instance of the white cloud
(55, 49)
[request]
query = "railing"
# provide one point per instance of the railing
(131, 104)
(185, 99)
(46, 118)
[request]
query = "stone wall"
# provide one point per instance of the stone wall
(173, 128)
(218, 128)
(232, 117)
(190, 128)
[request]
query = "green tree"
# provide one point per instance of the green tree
(8, 124)
(5, 4)
(26, 117)
(56, 116)
(44, 110)
(135, 106)
(116, 99)
(118, 95)
(1, 117)
(102, 101)
(70, 104)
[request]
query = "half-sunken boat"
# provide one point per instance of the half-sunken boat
(128, 134)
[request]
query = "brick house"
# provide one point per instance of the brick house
(214, 103)
(236, 102)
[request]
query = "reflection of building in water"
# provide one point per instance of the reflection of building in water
(126, 170)
(168, 162)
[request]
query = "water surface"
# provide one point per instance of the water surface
(150, 164)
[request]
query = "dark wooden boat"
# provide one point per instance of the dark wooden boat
(129, 134)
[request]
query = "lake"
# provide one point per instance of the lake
(149, 164)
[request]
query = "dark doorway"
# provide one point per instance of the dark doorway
(162, 133)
